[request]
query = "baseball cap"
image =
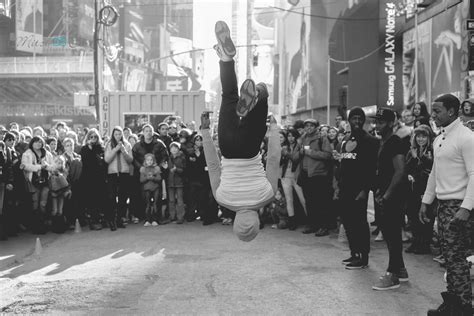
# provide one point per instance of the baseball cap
(385, 115)
(312, 121)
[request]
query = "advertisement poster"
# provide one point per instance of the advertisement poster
(296, 32)
(29, 26)
(424, 64)
(134, 79)
(136, 121)
(446, 52)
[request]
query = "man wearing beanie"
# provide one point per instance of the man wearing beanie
(357, 176)
(241, 184)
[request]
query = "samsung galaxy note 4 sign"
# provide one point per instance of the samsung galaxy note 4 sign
(29, 25)
(390, 56)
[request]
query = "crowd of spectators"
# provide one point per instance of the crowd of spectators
(51, 180)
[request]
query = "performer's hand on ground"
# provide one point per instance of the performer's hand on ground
(205, 120)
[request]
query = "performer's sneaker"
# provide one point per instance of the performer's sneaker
(388, 281)
(350, 259)
(247, 99)
(224, 41)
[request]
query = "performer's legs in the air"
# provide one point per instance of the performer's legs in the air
(242, 121)
(241, 184)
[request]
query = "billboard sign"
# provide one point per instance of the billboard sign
(390, 91)
(29, 26)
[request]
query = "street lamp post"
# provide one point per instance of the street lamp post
(328, 118)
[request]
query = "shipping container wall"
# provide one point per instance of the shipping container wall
(188, 105)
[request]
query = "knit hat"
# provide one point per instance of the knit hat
(298, 124)
(246, 224)
(357, 111)
(175, 144)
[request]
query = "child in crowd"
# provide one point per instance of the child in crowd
(60, 190)
(177, 164)
(150, 178)
(278, 211)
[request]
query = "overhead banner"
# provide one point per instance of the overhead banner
(29, 26)
(391, 76)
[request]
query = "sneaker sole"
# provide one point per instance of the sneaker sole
(386, 288)
(403, 280)
(247, 98)
(223, 38)
(357, 268)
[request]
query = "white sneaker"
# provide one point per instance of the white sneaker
(379, 236)
(154, 223)
(147, 224)
(135, 220)
(274, 226)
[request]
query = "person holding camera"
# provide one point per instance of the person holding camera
(36, 163)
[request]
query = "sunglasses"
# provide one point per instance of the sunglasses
(93, 137)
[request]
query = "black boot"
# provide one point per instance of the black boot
(120, 223)
(451, 306)
(291, 223)
(113, 224)
(3, 232)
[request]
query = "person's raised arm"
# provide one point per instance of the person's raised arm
(273, 155)
(210, 153)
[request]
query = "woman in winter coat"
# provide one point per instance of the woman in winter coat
(201, 199)
(74, 170)
(177, 165)
(419, 162)
(93, 178)
(118, 156)
(37, 163)
(290, 169)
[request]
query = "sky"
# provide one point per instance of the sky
(206, 14)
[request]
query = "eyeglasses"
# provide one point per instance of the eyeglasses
(93, 137)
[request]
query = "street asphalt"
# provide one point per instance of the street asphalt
(203, 270)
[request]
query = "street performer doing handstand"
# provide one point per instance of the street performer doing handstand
(241, 184)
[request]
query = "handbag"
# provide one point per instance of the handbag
(58, 182)
(29, 187)
(40, 178)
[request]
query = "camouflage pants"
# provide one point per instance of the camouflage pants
(455, 240)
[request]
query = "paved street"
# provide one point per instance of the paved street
(191, 269)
